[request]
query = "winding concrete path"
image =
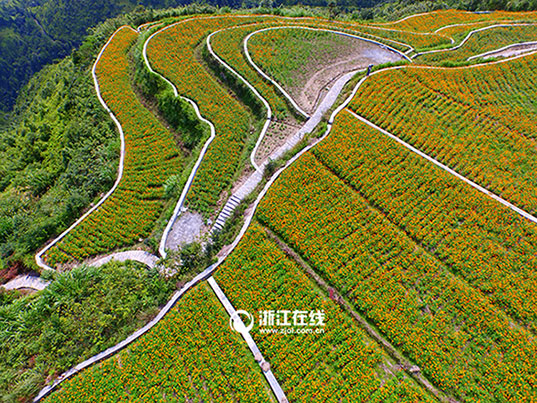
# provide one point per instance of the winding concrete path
(179, 207)
(312, 122)
(276, 84)
(271, 379)
(26, 281)
(507, 51)
(136, 255)
(121, 345)
(202, 276)
(491, 22)
(251, 88)
(254, 179)
(470, 34)
(251, 184)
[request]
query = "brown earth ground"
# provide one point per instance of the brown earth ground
(278, 132)
(316, 77)
(514, 51)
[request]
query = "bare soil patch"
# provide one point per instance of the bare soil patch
(514, 50)
(317, 76)
(277, 134)
(189, 227)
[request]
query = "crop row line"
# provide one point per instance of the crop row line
(512, 45)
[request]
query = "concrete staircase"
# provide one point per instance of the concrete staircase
(235, 199)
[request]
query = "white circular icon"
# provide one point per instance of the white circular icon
(241, 321)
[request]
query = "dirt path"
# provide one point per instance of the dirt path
(187, 228)
(278, 133)
(508, 51)
(319, 75)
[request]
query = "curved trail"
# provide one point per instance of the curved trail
(180, 204)
(150, 259)
(26, 281)
(141, 256)
(479, 22)
(482, 189)
(500, 50)
(207, 273)
(328, 100)
(253, 89)
(121, 345)
(409, 17)
(179, 207)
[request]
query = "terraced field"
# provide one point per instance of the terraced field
(305, 60)
(151, 157)
(185, 355)
(479, 121)
(407, 218)
(484, 41)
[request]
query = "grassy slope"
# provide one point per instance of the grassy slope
(80, 314)
(287, 55)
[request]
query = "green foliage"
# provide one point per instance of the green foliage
(451, 63)
(193, 256)
(7, 297)
(381, 66)
(81, 313)
(181, 117)
(189, 260)
(176, 111)
(290, 56)
(58, 156)
(190, 352)
(172, 186)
